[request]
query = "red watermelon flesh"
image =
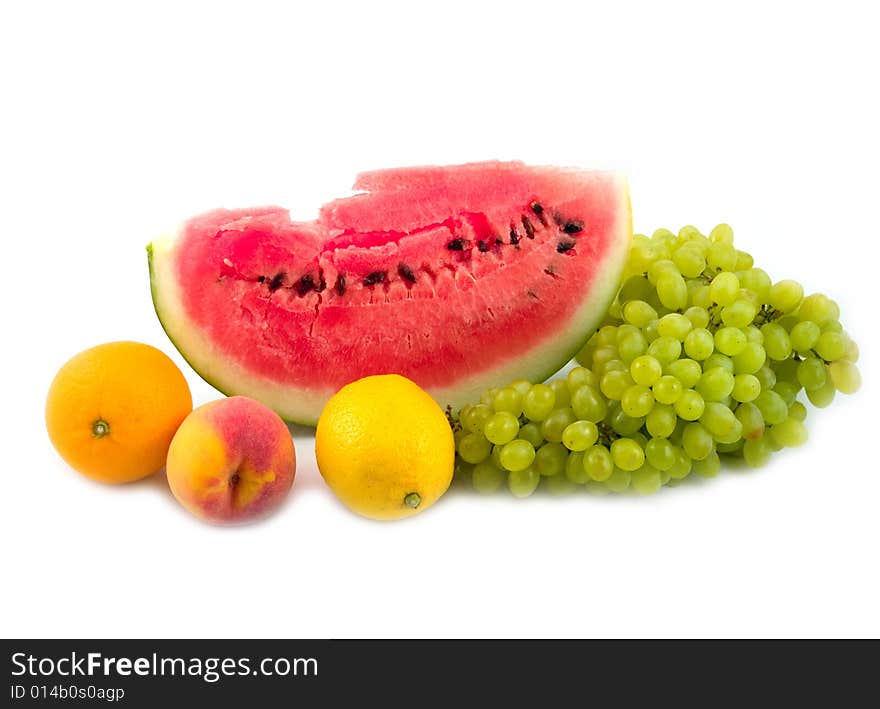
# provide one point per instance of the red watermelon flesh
(459, 278)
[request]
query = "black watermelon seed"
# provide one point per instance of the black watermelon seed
(538, 209)
(514, 237)
(406, 273)
(322, 284)
(482, 246)
(573, 227)
(260, 279)
(529, 227)
(498, 242)
(565, 245)
(375, 277)
(456, 245)
(340, 284)
(277, 281)
(305, 284)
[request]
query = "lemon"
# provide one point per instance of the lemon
(384, 447)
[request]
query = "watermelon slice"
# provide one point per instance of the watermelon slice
(459, 278)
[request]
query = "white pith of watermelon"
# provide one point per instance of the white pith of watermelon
(434, 288)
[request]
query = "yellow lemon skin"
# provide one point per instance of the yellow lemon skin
(385, 447)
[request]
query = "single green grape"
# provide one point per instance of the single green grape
(660, 453)
(578, 377)
(804, 336)
(730, 341)
(746, 387)
(789, 433)
(831, 346)
(632, 346)
(690, 405)
(751, 419)
(650, 331)
(756, 452)
(538, 402)
(603, 355)
(709, 466)
(613, 384)
(627, 454)
(722, 256)
(699, 317)
(777, 343)
(845, 376)
(798, 411)
(501, 428)
(612, 365)
(638, 313)
(750, 360)
(785, 296)
(744, 260)
(772, 407)
(508, 399)
(531, 432)
(550, 459)
(523, 483)
(667, 389)
(661, 267)
(724, 288)
(689, 260)
(852, 351)
(665, 350)
(715, 384)
(598, 463)
(700, 297)
(637, 401)
(819, 309)
(580, 435)
(687, 371)
(721, 422)
(634, 288)
(721, 234)
(661, 421)
(574, 468)
(645, 370)
(823, 396)
(787, 390)
(699, 344)
(606, 336)
(674, 325)
(672, 291)
(718, 360)
(812, 373)
(474, 448)
(517, 455)
(473, 418)
(681, 467)
(487, 477)
(754, 334)
(645, 480)
(696, 441)
(588, 404)
(738, 314)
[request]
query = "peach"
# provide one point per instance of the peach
(231, 461)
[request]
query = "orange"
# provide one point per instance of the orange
(113, 409)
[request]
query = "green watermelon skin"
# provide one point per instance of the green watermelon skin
(459, 277)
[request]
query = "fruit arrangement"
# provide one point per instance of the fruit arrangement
(701, 355)
(389, 322)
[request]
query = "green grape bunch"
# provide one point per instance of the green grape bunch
(700, 357)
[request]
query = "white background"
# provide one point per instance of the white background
(118, 119)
